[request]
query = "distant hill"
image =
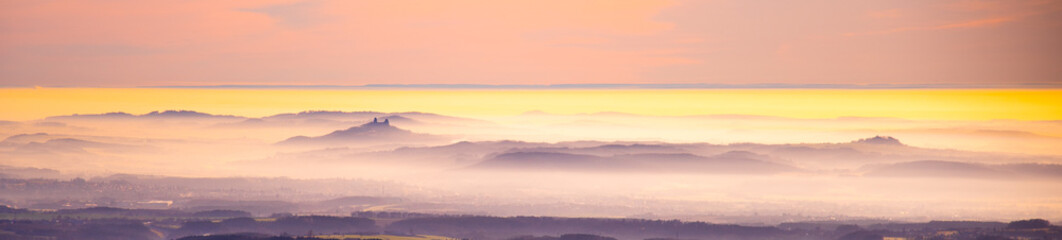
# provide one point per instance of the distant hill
(26, 138)
(63, 145)
(375, 132)
(27, 172)
(172, 114)
(104, 116)
(609, 149)
(727, 163)
(882, 140)
(950, 169)
(550, 161)
(325, 114)
(874, 156)
(334, 119)
(184, 114)
(309, 117)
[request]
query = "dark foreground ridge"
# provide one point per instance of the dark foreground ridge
(141, 224)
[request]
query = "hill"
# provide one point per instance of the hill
(372, 133)
(726, 163)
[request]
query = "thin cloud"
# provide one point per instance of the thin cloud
(318, 42)
(987, 22)
(977, 23)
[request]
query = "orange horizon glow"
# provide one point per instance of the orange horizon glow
(935, 104)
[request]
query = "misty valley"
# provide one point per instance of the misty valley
(412, 175)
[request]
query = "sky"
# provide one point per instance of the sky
(130, 43)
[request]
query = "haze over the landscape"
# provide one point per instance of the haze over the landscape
(813, 167)
(531, 120)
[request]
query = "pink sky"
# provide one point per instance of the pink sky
(125, 43)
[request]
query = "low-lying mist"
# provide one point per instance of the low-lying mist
(743, 169)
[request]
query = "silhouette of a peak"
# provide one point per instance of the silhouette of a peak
(324, 112)
(178, 113)
(882, 140)
(377, 123)
(110, 115)
(115, 114)
(742, 155)
(26, 137)
(375, 131)
(321, 113)
(151, 115)
(371, 128)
